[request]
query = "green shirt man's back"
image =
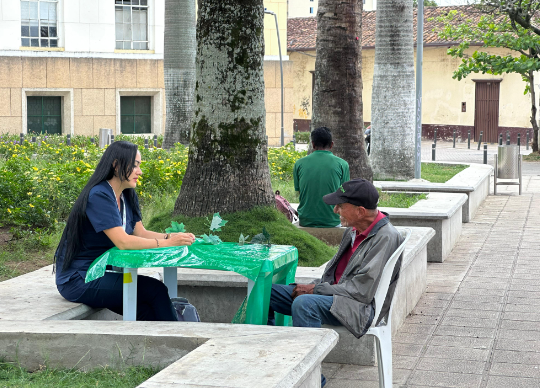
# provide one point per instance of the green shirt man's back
(316, 175)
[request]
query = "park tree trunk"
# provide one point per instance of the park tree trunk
(534, 123)
(393, 94)
(337, 98)
(228, 164)
(179, 70)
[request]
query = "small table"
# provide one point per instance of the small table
(260, 264)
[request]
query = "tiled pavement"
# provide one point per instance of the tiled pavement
(478, 323)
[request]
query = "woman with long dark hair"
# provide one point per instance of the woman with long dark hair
(107, 214)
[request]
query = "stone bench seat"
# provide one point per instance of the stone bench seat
(473, 181)
(217, 294)
(194, 354)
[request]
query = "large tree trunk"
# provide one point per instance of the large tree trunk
(228, 163)
(337, 98)
(533, 113)
(392, 104)
(179, 69)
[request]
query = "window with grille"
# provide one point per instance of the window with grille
(39, 23)
(131, 24)
(44, 114)
(135, 114)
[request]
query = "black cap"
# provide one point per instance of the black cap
(358, 192)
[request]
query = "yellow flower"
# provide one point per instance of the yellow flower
(57, 178)
(161, 161)
(29, 193)
(35, 168)
(78, 169)
(30, 205)
(14, 155)
(9, 211)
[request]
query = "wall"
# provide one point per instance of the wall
(83, 26)
(92, 85)
(442, 95)
(272, 99)
(270, 35)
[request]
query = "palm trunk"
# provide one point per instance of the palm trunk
(228, 164)
(393, 99)
(337, 98)
(179, 70)
(533, 113)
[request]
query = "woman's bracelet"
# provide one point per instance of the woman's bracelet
(157, 242)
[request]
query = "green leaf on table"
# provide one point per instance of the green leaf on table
(261, 238)
(211, 239)
(176, 228)
(217, 223)
(242, 240)
(266, 234)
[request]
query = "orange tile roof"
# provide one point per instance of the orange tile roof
(302, 32)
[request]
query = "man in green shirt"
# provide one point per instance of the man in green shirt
(316, 175)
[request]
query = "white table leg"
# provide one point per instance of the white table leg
(251, 283)
(130, 294)
(170, 278)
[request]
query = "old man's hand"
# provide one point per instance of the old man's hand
(302, 289)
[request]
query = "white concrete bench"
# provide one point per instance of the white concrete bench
(473, 181)
(217, 294)
(193, 354)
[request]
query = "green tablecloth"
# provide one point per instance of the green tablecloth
(264, 265)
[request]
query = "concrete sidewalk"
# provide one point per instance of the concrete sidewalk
(478, 323)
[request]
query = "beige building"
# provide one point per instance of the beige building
(481, 102)
(73, 67)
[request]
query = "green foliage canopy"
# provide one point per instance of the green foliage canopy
(491, 31)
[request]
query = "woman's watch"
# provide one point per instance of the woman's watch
(167, 236)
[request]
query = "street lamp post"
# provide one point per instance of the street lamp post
(281, 69)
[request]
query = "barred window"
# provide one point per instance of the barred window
(131, 24)
(39, 23)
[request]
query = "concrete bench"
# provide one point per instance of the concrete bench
(440, 211)
(193, 354)
(217, 295)
(473, 181)
(216, 354)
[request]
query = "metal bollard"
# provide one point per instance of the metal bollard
(480, 141)
(500, 138)
(146, 143)
(92, 140)
(435, 136)
(112, 139)
(155, 141)
(507, 137)
(433, 151)
(68, 139)
(469, 139)
(34, 139)
(22, 137)
(527, 145)
(294, 139)
(485, 153)
(454, 139)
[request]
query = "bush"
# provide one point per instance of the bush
(303, 137)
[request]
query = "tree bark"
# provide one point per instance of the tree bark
(179, 70)
(533, 112)
(228, 163)
(393, 94)
(337, 98)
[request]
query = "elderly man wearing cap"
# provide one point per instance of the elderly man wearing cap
(344, 295)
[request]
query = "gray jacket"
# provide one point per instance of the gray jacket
(354, 302)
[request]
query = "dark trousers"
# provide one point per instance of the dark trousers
(153, 302)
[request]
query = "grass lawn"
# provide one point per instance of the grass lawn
(13, 376)
(440, 173)
(532, 157)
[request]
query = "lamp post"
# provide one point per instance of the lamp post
(281, 69)
(419, 59)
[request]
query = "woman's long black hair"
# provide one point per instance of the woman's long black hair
(118, 158)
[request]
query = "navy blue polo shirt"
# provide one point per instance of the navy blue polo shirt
(101, 213)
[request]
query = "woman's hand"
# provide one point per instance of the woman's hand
(177, 239)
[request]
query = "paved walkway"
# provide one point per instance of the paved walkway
(478, 323)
